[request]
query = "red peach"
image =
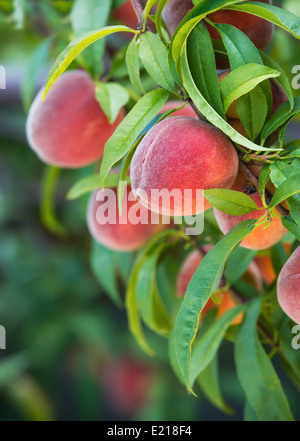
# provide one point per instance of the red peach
(288, 287)
(127, 383)
(69, 129)
(261, 237)
(119, 233)
(182, 153)
(187, 110)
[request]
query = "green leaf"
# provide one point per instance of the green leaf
(280, 17)
(238, 264)
(93, 182)
(231, 202)
(112, 97)
(130, 128)
(154, 56)
(86, 16)
(75, 48)
(249, 414)
(264, 178)
(202, 285)
(206, 347)
(208, 381)
(252, 109)
(34, 65)
(202, 64)
(211, 114)
(282, 80)
(256, 373)
(242, 51)
(280, 117)
(133, 65)
(188, 24)
(288, 188)
(12, 367)
(134, 320)
(158, 19)
(290, 224)
(173, 358)
(242, 80)
(105, 265)
(151, 307)
(240, 48)
(47, 206)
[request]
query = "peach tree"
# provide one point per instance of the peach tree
(188, 126)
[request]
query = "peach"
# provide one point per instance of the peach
(261, 237)
(125, 14)
(182, 153)
(288, 287)
(187, 110)
(69, 129)
(264, 263)
(228, 303)
(258, 30)
(119, 233)
(127, 383)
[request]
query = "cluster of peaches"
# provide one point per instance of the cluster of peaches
(70, 130)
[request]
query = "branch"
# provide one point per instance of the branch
(255, 182)
(139, 10)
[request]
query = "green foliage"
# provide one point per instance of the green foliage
(85, 312)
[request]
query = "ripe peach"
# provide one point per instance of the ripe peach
(119, 233)
(69, 129)
(182, 153)
(288, 287)
(127, 383)
(258, 30)
(261, 237)
(228, 303)
(125, 14)
(264, 263)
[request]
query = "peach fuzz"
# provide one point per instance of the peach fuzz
(187, 110)
(288, 287)
(69, 129)
(182, 153)
(121, 235)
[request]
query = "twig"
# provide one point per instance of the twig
(194, 107)
(255, 182)
(139, 10)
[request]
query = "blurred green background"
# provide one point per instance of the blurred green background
(69, 353)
